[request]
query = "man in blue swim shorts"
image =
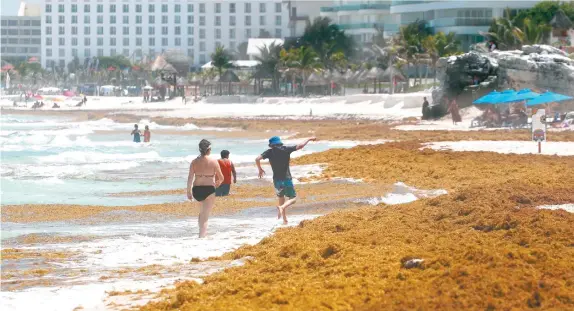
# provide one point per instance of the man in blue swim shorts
(279, 157)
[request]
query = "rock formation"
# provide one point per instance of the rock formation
(538, 67)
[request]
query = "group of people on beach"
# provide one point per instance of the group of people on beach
(209, 177)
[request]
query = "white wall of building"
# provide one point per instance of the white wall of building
(196, 29)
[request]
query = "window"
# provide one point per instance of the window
(74, 41)
(262, 33)
(25, 41)
(126, 30)
(164, 19)
(48, 41)
(232, 8)
(138, 31)
(100, 30)
(164, 42)
(86, 19)
(100, 8)
(178, 30)
(177, 41)
(87, 52)
(126, 41)
(112, 19)
(151, 30)
(231, 20)
(100, 42)
(60, 8)
(231, 33)
(218, 33)
(75, 52)
(190, 30)
(151, 41)
(61, 19)
(86, 30)
(202, 58)
(112, 8)
(100, 52)
(277, 7)
(164, 30)
(138, 41)
(177, 19)
(202, 21)
(48, 19)
(36, 32)
(61, 30)
(151, 8)
(151, 19)
(247, 20)
(189, 41)
(100, 19)
(49, 52)
(190, 53)
(190, 19)
(126, 19)
(218, 21)
(126, 8)
(202, 46)
(177, 8)
(218, 8)
(202, 8)
(247, 7)
(247, 33)
(112, 30)
(278, 20)
(48, 30)
(86, 8)
(48, 8)
(138, 19)
(277, 32)
(190, 8)
(202, 34)
(74, 30)
(74, 8)
(262, 7)
(164, 8)
(113, 52)
(262, 20)
(112, 41)
(138, 8)
(87, 42)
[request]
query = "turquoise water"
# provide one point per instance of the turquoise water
(53, 160)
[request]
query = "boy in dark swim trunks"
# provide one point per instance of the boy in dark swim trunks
(279, 157)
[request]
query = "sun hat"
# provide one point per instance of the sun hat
(275, 140)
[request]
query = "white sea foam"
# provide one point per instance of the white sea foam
(403, 193)
(566, 207)
(98, 157)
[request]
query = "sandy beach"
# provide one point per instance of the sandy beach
(391, 210)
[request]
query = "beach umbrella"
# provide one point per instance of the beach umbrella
(69, 93)
(32, 60)
(38, 97)
(548, 97)
(519, 96)
(7, 67)
(489, 98)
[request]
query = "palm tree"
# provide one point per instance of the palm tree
(221, 60)
(269, 59)
(532, 33)
(241, 51)
(504, 33)
(440, 45)
(307, 62)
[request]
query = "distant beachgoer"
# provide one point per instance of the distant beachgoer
(183, 100)
(147, 135)
(426, 109)
(55, 106)
(204, 177)
(454, 112)
(85, 100)
(136, 133)
(228, 170)
(279, 157)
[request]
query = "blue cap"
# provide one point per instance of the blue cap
(275, 140)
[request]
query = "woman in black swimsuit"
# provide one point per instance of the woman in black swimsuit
(205, 175)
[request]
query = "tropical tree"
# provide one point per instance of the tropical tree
(440, 45)
(410, 39)
(543, 12)
(221, 60)
(531, 33)
(241, 51)
(326, 38)
(269, 60)
(307, 62)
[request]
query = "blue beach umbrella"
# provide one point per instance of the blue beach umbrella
(488, 98)
(519, 96)
(548, 97)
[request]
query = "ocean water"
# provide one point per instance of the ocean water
(54, 160)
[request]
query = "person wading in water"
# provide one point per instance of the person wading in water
(204, 176)
(279, 157)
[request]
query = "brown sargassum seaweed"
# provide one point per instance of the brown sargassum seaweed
(485, 246)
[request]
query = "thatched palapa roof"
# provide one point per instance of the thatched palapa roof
(561, 21)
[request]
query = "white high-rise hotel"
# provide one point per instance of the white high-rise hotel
(145, 28)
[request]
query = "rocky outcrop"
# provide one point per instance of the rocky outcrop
(539, 67)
